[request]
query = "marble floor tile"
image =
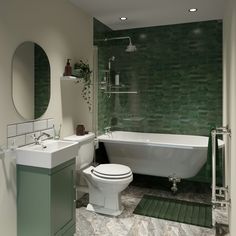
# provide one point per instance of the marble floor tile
(129, 224)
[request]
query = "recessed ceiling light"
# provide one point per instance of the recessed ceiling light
(192, 10)
(123, 18)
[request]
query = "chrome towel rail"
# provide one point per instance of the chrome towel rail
(220, 195)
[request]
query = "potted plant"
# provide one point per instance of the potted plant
(83, 73)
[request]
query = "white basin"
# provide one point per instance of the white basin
(48, 155)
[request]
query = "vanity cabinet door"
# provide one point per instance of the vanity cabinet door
(63, 200)
(33, 202)
(45, 200)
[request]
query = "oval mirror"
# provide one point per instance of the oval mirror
(30, 80)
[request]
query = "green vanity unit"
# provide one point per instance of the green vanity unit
(46, 199)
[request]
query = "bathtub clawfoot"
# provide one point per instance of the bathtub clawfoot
(174, 179)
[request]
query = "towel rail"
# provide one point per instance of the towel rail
(220, 195)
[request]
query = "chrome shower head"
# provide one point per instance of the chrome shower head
(131, 48)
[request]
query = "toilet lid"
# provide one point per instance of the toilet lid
(112, 171)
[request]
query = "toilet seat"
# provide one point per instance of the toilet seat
(112, 171)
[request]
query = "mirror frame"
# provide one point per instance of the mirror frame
(50, 86)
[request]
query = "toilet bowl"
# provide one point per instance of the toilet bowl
(105, 181)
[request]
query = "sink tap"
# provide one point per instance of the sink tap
(37, 140)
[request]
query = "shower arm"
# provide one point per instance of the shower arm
(114, 38)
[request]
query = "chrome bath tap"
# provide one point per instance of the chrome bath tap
(108, 131)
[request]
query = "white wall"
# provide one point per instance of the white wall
(230, 98)
(63, 31)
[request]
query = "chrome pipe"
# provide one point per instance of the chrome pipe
(221, 192)
(223, 130)
(113, 38)
(226, 167)
(213, 141)
(213, 188)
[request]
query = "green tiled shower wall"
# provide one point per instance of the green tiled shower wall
(42, 81)
(99, 29)
(177, 72)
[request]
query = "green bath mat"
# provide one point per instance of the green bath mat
(193, 213)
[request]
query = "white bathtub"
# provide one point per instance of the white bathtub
(157, 154)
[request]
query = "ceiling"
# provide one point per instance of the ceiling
(144, 13)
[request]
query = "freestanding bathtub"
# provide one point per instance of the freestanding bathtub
(162, 155)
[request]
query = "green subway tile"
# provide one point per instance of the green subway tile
(177, 71)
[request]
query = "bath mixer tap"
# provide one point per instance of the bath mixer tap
(108, 131)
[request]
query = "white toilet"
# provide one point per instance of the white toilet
(105, 182)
